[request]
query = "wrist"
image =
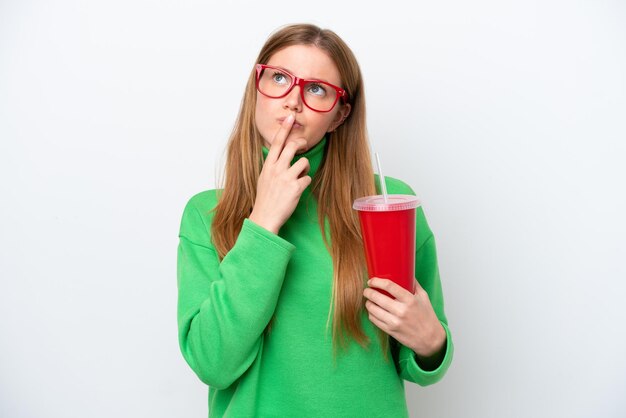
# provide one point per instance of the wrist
(433, 358)
(263, 223)
(436, 343)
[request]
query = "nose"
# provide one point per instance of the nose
(293, 100)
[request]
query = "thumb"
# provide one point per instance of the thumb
(417, 287)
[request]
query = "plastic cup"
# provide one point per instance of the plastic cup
(388, 231)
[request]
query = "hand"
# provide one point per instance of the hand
(410, 318)
(280, 186)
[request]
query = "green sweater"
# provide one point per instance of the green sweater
(224, 308)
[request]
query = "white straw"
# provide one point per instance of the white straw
(383, 186)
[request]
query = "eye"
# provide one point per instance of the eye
(316, 89)
(280, 78)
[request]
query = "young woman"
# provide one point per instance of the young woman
(275, 310)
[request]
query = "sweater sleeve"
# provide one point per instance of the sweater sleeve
(224, 307)
(427, 274)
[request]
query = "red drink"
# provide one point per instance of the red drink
(388, 231)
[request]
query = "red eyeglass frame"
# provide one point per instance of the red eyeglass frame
(297, 81)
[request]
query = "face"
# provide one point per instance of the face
(305, 61)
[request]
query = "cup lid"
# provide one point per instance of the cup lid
(394, 202)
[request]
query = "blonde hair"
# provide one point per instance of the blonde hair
(347, 156)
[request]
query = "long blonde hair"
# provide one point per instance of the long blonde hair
(347, 156)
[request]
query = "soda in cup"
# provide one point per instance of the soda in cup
(388, 231)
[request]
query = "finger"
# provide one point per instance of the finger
(418, 287)
(381, 318)
(395, 290)
(289, 151)
(278, 141)
(304, 182)
(299, 168)
(379, 323)
(390, 305)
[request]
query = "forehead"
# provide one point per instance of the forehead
(306, 61)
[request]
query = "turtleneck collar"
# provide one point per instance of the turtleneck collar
(314, 155)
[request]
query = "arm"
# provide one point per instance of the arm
(421, 343)
(423, 370)
(426, 371)
(224, 307)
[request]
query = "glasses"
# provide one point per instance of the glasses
(317, 95)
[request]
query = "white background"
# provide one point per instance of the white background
(507, 118)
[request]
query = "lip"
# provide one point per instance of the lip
(295, 125)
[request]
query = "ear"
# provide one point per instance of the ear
(340, 116)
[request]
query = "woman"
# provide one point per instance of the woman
(275, 310)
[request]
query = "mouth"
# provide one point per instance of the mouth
(295, 125)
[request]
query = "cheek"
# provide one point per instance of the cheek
(324, 123)
(265, 118)
(261, 116)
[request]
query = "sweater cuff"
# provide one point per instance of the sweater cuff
(250, 227)
(422, 377)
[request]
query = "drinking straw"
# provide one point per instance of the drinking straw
(383, 186)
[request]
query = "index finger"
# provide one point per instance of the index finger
(278, 142)
(394, 289)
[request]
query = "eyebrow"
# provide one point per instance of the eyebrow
(309, 79)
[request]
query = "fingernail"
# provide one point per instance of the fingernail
(289, 118)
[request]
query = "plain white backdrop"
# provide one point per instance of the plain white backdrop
(507, 118)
